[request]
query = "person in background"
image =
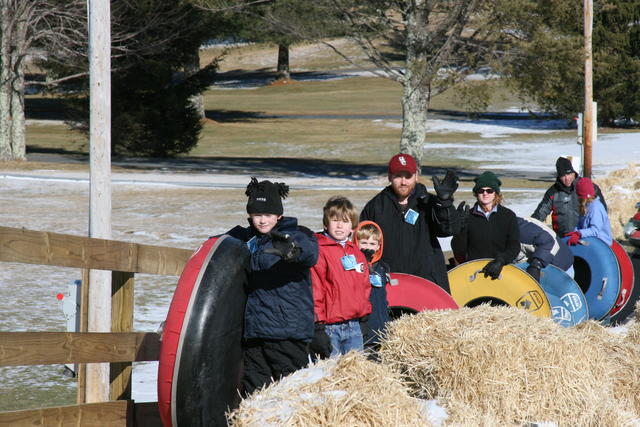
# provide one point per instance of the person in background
(368, 237)
(412, 220)
(278, 317)
(489, 230)
(593, 220)
(540, 246)
(561, 200)
(340, 281)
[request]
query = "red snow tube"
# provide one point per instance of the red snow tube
(410, 294)
(626, 277)
(200, 354)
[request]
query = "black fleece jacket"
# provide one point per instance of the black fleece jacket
(495, 237)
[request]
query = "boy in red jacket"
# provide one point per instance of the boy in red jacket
(340, 280)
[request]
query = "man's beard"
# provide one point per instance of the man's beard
(404, 191)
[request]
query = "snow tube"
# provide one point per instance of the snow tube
(597, 273)
(201, 354)
(568, 303)
(621, 314)
(514, 287)
(410, 294)
(626, 279)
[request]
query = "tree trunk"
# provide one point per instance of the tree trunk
(416, 83)
(283, 63)
(191, 68)
(18, 143)
(18, 125)
(414, 120)
(5, 84)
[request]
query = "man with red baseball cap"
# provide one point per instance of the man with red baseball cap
(411, 219)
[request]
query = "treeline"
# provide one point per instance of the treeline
(428, 46)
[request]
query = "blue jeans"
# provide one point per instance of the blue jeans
(345, 336)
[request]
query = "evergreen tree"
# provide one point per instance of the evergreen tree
(547, 61)
(152, 110)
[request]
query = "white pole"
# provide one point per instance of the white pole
(99, 312)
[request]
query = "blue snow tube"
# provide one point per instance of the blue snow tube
(597, 273)
(568, 303)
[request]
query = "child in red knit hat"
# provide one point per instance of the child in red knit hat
(593, 220)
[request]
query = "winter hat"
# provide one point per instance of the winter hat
(487, 179)
(265, 197)
(585, 188)
(564, 166)
(402, 163)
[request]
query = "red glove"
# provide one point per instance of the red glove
(574, 238)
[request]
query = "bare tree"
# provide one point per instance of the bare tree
(440, 42)
(21, 25)
(425, 45)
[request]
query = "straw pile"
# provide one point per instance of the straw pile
(502, 366)
(345, 391)
(620, 189)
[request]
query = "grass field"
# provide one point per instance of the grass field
(326, 120)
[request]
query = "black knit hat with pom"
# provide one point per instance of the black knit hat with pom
(265, 197)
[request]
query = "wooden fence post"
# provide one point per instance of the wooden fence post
(122, 303)
(83, 327)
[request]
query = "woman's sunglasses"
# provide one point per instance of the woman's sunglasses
(485, 190)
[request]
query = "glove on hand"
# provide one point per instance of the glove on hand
(574, 238)
(283, 246)
(534, 268)
(445, 188)
(367, 333)
(493, 268)
(320, 344)
(463, 214)
(368, 253)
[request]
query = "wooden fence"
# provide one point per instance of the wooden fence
(120, 347)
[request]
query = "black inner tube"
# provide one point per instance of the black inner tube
(492, 301)
(582, 273)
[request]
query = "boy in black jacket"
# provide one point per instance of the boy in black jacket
(278, 318)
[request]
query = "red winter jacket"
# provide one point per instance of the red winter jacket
(339, 295)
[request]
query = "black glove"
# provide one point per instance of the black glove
(320, 344)
(534, 268)
(367, 333)
(493, 268)
(463, 214)
(283, 246)
(368, 253)
(445, 188)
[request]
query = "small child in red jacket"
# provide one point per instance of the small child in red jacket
(340, 280)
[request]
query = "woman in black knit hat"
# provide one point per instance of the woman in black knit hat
(490, 230)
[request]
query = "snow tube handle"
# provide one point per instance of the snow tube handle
(604, 287)
(474, 275)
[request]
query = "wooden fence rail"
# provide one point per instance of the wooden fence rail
(50, 348)
(119, 347)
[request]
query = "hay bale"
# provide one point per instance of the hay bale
(500, 365)
(344, 391)
(620, 190)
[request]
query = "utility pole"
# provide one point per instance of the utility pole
(588, 90)
(99, 310)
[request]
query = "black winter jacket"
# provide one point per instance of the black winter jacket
(495, 237)
(279, 298)
(562, 203)
(379, 306)
(413, 249)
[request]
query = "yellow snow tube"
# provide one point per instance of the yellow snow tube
(514, 287)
